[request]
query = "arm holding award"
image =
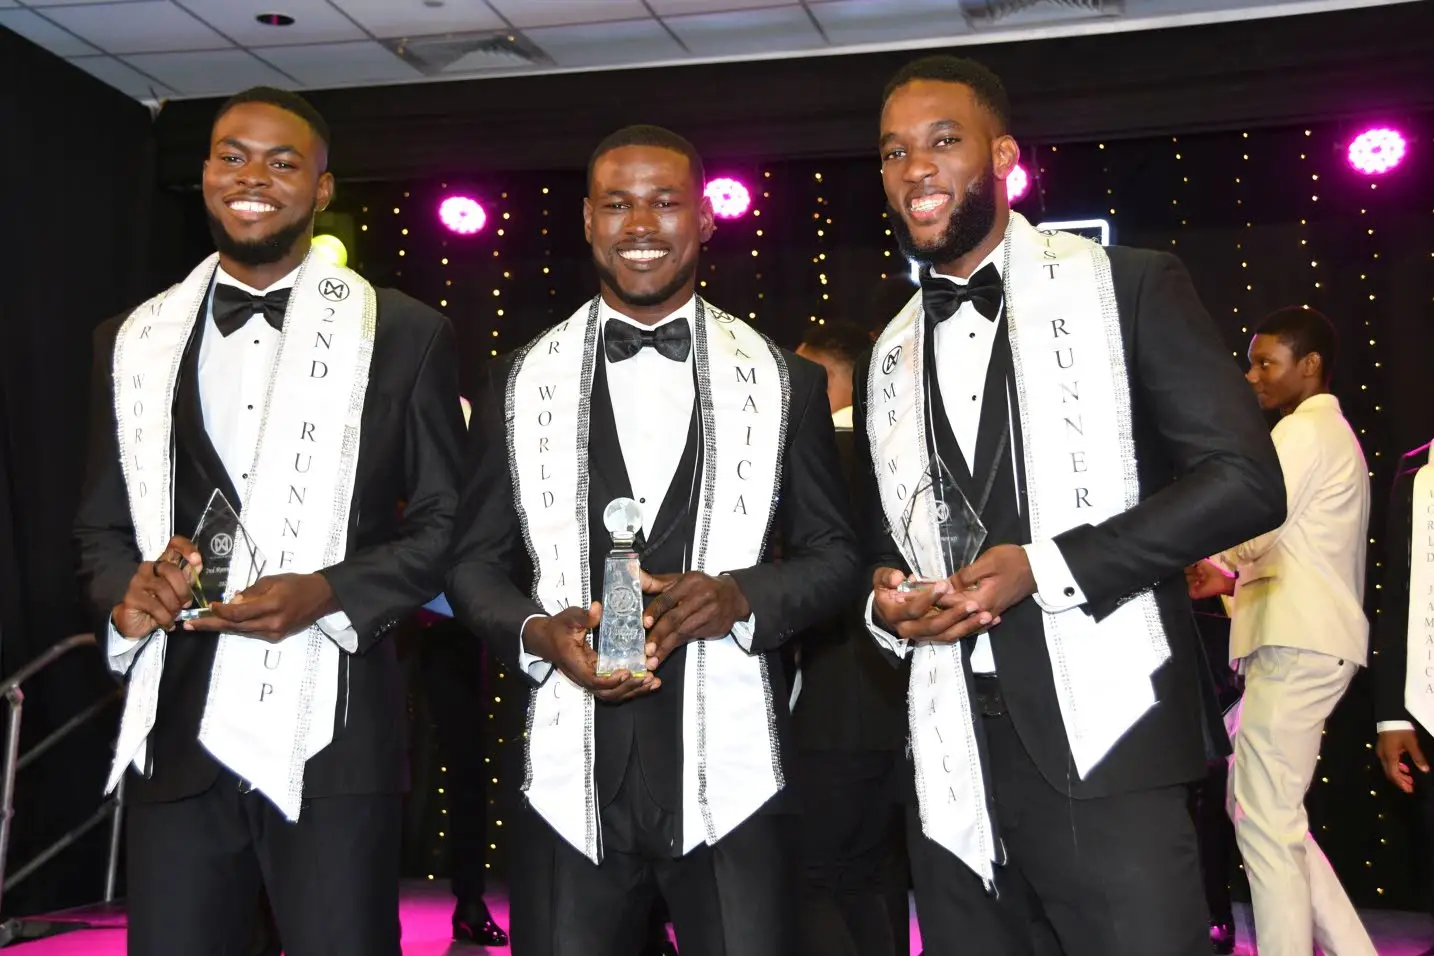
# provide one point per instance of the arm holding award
(488, 555)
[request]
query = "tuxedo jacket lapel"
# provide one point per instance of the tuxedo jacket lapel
(190, 435)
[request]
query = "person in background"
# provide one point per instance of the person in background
(1298, 634)
(1404, 637)
(849, 723)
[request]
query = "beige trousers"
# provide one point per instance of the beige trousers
(1298, 899)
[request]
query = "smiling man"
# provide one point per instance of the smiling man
(1076, 405)
(266, 739)
(671, 780)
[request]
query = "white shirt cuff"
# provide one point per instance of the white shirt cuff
(123, 650)
(1056, 587)
(534, 666)
(885, 638)
(1385, 725)
(744, 631)
(340, 630)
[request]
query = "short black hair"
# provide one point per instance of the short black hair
(284, 100)
(646, 135)
(1303, 331)
(987, 86)
(841, 340)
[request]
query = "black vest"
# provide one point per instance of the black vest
(652, 723)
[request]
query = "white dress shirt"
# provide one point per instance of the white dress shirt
(652, 398)
(962, 346)
(233, 376)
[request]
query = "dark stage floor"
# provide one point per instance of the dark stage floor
(427, 906)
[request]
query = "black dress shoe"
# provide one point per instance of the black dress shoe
(472, 923)
(1222, 938)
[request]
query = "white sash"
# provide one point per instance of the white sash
(731, 763)
(270, 706)
(1074, 402)
(1419, 667)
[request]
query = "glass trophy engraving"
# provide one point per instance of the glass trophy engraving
(959, 531)
(222, 541)
(622, 641)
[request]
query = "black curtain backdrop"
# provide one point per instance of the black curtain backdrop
(79, 162)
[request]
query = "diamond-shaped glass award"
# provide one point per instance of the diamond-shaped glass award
(622, 641)
(222, 543)
(959, 531)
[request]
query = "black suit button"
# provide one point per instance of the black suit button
(1069, 592)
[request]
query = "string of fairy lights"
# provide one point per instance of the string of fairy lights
(821, 221)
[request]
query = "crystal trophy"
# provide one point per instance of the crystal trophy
(958, 528)
(622, 642)
(222, 541)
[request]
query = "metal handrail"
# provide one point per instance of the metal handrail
(112, 807)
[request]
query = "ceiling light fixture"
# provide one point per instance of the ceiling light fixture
(275, 19)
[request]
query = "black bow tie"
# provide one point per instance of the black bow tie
(623, 341)
(233, 306)
(942, 297)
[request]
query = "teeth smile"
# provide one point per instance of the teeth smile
(927, 203)
(642, 255)
(244, 205)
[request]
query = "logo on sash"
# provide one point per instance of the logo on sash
(333, 289)
(889, 363)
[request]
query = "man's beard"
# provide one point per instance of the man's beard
(259, 252)
(968, 226)
(645, 300)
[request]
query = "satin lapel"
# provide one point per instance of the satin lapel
(995, 407)
(189, 417)
(675, 517)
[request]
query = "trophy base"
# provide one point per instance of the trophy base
(911, 585)
(636, 670)
(194, 613)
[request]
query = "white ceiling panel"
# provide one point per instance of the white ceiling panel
(339, 64)
(391, 18)
(151, 26)
(315, 21)
(212, 73)
(122, 77)
(8, 3)
(606, 44)
(549, 13)
(769, 30)
(883, 21)
(37, 29)
(676, 8)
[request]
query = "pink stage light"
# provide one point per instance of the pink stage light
(730, 198)
(1017, 183)
(1377, 151)
(462, 214)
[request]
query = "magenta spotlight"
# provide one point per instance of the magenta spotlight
(462, 214)
(730, 198)
(1017, 183)
(1377, 151)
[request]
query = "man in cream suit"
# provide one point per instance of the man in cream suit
(1298, 633)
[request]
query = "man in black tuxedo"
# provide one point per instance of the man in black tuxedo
(849, 724)
(1098, 475)
(1403, 706)
(667, 774)
(214, 815)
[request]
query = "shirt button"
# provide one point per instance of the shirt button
(1069, 592)
(973, 398)
(642, 501)
(973, 335)
(245, 476)
(256, 341)
(251, 408)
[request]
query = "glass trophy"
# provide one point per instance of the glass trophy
(959, 531)
(622, 642)
(221, 540)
